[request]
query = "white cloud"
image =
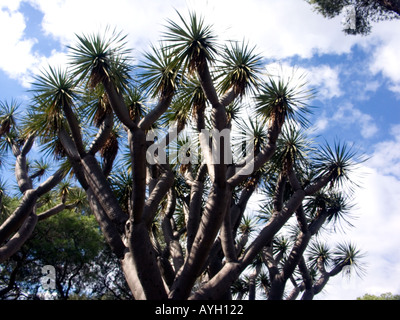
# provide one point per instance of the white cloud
(281, 29)
(326, 80)
(142, 21)
(376, 233)
(347, 116)
(377, 228)
(321, 124)
(386, 156)
(11, 5)
(385, 56)
(323, 78)
(16, 56)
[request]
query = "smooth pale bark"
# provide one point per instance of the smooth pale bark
(227, 238)
(21, 168)
(51, 182)
(252, 282)
(17, 218)
(170, 233)
(108, 228)
(138, 147)
(175, 249)
(117, 103)
(24, 217)
(145, 260)
(101, 189)
(218, 285)
(208, 87)
(75, 129)
(164, 183)
(53, 211)
(192, 225)
(231, 271)
(209, 226)
(229, 97)
(156, 112)
(131, 276)
(68, 145)
(219, 122)
(20, 237)
(318, 184)
(295, 292)
(103, 134)
(215, 208)
(270, 261)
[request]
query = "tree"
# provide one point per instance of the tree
(383, 296)
(359, 14)
(73, 245)
(169, 162)
(17, 225)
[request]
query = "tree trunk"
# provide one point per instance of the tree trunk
(18, 217)
(145, 260)
(102, 191)
(20, 237)
(206, 234)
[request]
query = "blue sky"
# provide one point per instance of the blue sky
(357, 78)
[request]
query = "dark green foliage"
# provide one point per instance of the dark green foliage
(365, 12)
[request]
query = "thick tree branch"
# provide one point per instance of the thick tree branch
(156, 112)
(137, 145)
(164, 183)
(99, 184)
(17, 218)
(51, 182)
(231, 271)
(53, 211)
(145, 261)
(209, 226)
(75, 129)
(118, 104)
(108, 228)
(195, 206)
(103, 134)
(20, 237)
(21, 168)
(255, 163)
(227, 238)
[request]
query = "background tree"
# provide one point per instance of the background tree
(73, 244)
(169, 157)
(18, 224)
(359, 14)
(383, 296)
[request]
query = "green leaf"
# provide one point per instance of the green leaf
(192, 43)
(240, 68)
(160, 73)
(284, 99)
(99, 57)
